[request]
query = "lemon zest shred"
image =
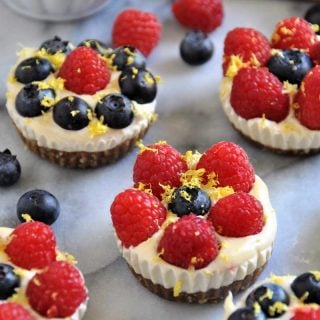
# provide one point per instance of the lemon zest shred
(65, 256)
(192, 158)
(144, 187)
(56, 59)
(177, 288)
(192, 178)
(26, 217)
(167, 194)
(96, 128)
(235, 64)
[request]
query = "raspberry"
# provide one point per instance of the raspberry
(256, 92)
(138, 29)
(13, 311)
(32, 245)
(58, 291)
(230, 164)
(203, 15)
(159, 164)
(307, 99)
(237, 215)
(136, 216)
(84, 71)
(306, 314)
(249, 44)
(189, 242)
(294, 33)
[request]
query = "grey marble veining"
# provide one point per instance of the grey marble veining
(190, 116)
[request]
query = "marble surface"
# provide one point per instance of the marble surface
(190, 116)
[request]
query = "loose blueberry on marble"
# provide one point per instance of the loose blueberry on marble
(313, 15)
(32, 101)
(33, 69)
(94, 44)
(138, 85)
(9, 281)
(126, 56)
(55, 45)
(187, 200)
(10, 169)
(290, 65)
(247, 314)
(307, 286)
(40, 205)
(266, 296)
(196, 48)
(116, 110)
(71, 113)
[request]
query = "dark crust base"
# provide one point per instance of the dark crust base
(211, 296)
(82, 159)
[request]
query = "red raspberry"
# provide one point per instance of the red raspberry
(294, 33)
(13, 311)
(308, 101)
(257, 92)
(204, 15)
(247, 43)
(84, 71)
(136, 216)
(138, 29)
(306, 314)
(58, 291)
(230, 164)
(32, 245)
(189, 242)
(237, 215)
(159, 164)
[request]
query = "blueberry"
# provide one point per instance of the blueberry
(187, 200)
(272, 299)
(138, 85)
(41, 205)
(126, 56)
(31, 101)
(290, 65)
(9, 281)
(33, 69)
(247, 314)
(10, 169)
(56, 45)
(307, 287)
(116, 110)
(71, 113)
(93, 44)
(313, 15)
(196, 48)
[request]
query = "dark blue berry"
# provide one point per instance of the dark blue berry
(71, 113)
(313, 15)
(196, 48)
(55, 45)
(307, 286)
(247, 314)
(187, 200)
(290, 65)
(9, 281)
(266, 296)
(41, 205)
(116, 110)
(138, 85)
(31, 101)
(10, 169)
(93, 44)
(126, 56)
(33, 69)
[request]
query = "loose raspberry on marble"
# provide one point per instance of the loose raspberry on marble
(237, 215)
(248, 44)
(307, 100)
(138, 29)
(13, 311)
(58, 291)
(84, 71)
(159, 164)
(294, 33)
(136, 216)
(32, 245)
(203, 15)
(229, 164)
(189, 243)
(306, 313)
(256, 92)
